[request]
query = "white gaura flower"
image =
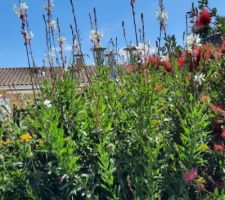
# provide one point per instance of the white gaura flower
(28, 36)
(48, 5)
(53, 24)
(193, 39)
(199, 79)
(47, 103)
(162, 16)
(96, 37)
(21, 10)
(61, 40)
(143, 47)
(24, 6)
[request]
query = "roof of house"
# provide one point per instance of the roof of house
(13, 77)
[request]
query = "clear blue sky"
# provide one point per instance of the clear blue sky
(110, 14)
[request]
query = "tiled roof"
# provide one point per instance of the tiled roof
(22, 76)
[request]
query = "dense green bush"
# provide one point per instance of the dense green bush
(144, 135)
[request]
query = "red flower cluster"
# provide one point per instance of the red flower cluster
(153, 60)
(181, 60)
(190, 175)
(219, 147)
(203, 19)
(217, 107)
(167, 65)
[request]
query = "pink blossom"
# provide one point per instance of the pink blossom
(190, 175)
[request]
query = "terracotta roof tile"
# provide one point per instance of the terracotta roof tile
(22, 76)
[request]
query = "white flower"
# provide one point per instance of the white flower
(53, 24)
(24, 6)
(170, 99)
(48, 6)
(96, 37)
(167, 120)
(28, 36)
(143, 48)
(61, 40)
(21, 10)
(199, 79)
(47, 103)
(193, 39)
(162, 16)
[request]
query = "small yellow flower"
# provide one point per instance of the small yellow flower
(26, 137)
(203, 148)
(159, 88)
(40, 142)
(7, 142)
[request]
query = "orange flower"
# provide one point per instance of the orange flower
(26, 137)
(205, 99)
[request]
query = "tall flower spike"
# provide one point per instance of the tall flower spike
(21, 10)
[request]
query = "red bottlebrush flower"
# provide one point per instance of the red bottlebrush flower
(203, 19)
(217, 53)
(181, 61)
(153, 60)
(190, 175)
(197, 53)
(219, 147)
(167, 65)
(217, 107)
(206, 52)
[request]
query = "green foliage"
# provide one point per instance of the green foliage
(132, 137)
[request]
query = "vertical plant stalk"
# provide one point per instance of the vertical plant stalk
(77, 37)
(28, 48)
(91, 21)
(95, 20)
(124, 32)
(186, 28)
(132, 2)
(61, 50)
(162, 27)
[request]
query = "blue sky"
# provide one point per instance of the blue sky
(110, 14)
